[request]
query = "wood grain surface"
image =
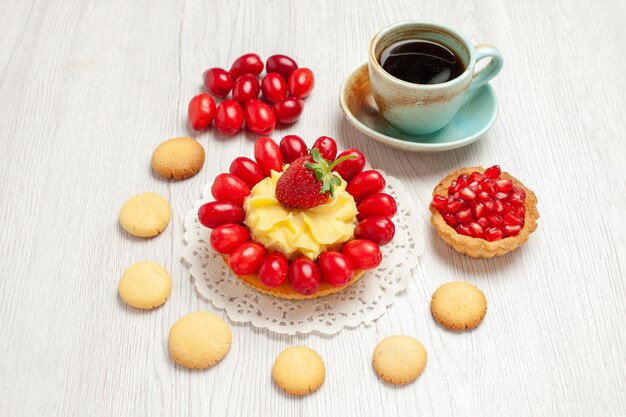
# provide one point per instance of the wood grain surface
(89, 88)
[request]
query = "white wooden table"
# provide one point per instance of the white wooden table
(89, 88)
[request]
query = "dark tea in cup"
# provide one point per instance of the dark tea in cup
(421, 62)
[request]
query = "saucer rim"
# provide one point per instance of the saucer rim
(404, 144)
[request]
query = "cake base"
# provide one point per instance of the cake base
(285, 291)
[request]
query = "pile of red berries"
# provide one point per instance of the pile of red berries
(483, 206)
(283, 87)
(231, 237)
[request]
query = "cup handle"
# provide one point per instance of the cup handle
(492, 69)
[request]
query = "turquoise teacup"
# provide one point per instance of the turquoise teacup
(417, 109)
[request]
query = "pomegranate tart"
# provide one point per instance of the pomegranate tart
(299, 223)
(483, 212)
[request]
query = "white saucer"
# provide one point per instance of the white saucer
(472, 121)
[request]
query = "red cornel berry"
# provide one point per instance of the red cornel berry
(229, 117)
(247, 258)
(304, 276)
(335, 268)
(216, 213)
(281, 64)
(273, 271)
(218, 82)
(274, 87)
(301, 82)
(246, 64)
(259, 116)
(201, 111)
(288, 109)
(246, 88)
(362, 254)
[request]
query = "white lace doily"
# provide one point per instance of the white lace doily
(361, 303)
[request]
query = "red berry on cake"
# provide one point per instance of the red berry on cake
(365, 184)
(274, 269)
(304, 276)
(292, 147)
(349, 168)
(377, 205)
(216, 213)
(363, 254)
(327, 147)
(246, 170)
(379, 230)
(335, 268)
(228, 237)
(247, 258)
(228, 187)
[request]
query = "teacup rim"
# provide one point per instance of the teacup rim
(468, 43)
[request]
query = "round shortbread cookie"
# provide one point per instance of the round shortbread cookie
(399, 359)
(145, 215)
(299, 370)
(145, 285)
(199, 340)
(458, 306)
(178, 158)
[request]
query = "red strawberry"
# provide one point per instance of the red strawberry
(308, 182)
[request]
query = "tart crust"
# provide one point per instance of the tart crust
(285, 291)
(480, 248)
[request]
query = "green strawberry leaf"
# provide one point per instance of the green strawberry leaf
(323, 171)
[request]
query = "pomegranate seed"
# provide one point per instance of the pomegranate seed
(495, 220)
(467, 194)
(464, 216)
(450, 219)
(488, 185)
(476, 176)
(453, 188)
(492, 234)
(501, 196)
(499, 207)
(455, 206)
(519, 210)
(507, 207)
(483, 222)
(519, 191)
(480, 210)
(492, 172)
(477, 230)
(516, 199)
(483, 196)
(511, 230)
(474, 186)
(439, 202)
(513, 219)
(504, 185)
(463, 230)
(491, 205)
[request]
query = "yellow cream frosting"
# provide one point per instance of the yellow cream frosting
(297, 232)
